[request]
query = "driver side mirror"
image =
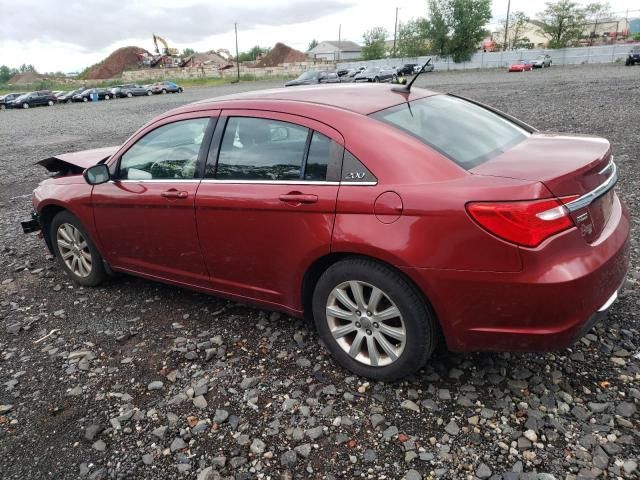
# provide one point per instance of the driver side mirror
(97, 174)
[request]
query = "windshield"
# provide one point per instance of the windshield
(466, 133)
(308, 75)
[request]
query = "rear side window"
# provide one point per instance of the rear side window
(261, 149)
(466, 133)
(272, 150)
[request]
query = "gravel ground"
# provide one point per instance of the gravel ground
(142, 380)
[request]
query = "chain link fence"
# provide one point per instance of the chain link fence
(562, 56)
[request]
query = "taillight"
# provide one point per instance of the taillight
(525, 223)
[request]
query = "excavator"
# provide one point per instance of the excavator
(166, 50)
(164, 55)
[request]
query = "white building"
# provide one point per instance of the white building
(336, 51)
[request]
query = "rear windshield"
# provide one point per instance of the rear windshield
(466, 133)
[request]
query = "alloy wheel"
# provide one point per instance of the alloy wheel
(74, 250)
(366, 323)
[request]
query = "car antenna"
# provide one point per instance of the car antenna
(407, 88)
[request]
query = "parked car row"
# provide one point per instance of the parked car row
(46, 97)
(541, 61)
(360, 74)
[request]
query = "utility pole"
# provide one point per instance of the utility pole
(235, 26)
(506, 28)
(395, 34)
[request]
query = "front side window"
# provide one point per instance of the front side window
(466, 133)
(168, 152)
(261, 149)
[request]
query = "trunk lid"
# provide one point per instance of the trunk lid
(567, 165)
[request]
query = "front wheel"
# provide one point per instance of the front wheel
(50, 103)
(149, 93)
(164, 90)
(107, 97)
(25, 105)
(129, 94)
(376, 80)
(373, 320)
(75, 251)
(394, 79)
(180, 90)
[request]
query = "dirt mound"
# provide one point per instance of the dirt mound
(122, 59)
(25, 78)
(279, 54)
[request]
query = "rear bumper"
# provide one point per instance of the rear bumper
(565, 287)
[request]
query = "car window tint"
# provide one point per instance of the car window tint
(261, 149)
(466, 133)
(320, 151)
(169, 151)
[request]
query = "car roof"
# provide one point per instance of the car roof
(359, 98)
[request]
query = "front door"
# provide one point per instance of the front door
(145, 218)
(265, 209)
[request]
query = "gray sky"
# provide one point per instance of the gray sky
(70, 35)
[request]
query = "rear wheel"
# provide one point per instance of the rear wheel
(164, 90)
(180, 90)
(75, 251)
(25, 105)
(149, 93)
(50, 103)
(129, 94)
(376, 80)
(107, 97)
(3, 106)
(373, 321)
(394, 79)
(85, 99)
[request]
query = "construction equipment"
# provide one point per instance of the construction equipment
(166, 50)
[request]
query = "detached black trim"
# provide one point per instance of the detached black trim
(32, 225)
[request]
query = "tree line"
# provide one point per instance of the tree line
(456, 27)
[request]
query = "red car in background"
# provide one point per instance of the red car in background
(393, 219)
(521, 66)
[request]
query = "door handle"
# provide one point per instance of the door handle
(297, 198)
(173, 193)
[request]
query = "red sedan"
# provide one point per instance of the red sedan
(521, 66)
(392, 219)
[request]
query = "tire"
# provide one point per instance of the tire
(394, 79)
(50, 103)
(25, 105)
(164, 90)
(415, 319)
(180, 90)
(3, 107)
(107, 97)
(149, 93)
(69, 101)
(64, 222)
(85, 99)
(376, 80)
(129, 94)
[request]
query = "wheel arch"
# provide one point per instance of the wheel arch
(47, 214)
(321, 264)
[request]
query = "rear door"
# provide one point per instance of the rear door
(265, 209)
(145, 217)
